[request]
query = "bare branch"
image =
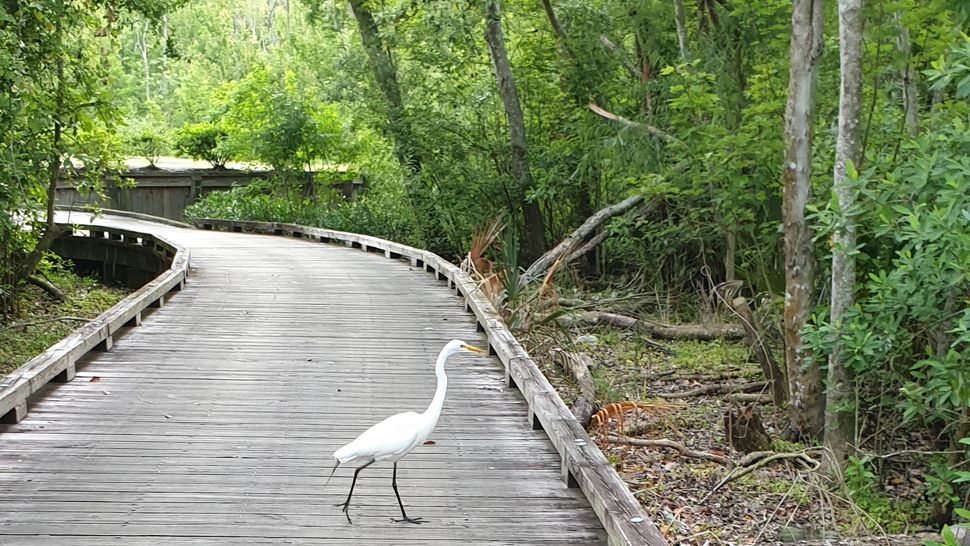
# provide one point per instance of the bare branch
(616, 50)
(633, 124)
(716, 389)
(44, 321)
(670, 444)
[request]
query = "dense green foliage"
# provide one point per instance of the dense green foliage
(404, 94)
(55, 105)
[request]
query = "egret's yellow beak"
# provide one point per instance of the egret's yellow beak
(473, 349)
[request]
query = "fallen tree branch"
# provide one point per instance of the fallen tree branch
(755, 460)
(670, 444)
(614, 49)
(586, 248)
(716, 389)
(750, 397)
(672, 375)
(577, 365)
(756, 344)
(703, 332)
(539, 267)
(44, 321)
(602, 236)
(47, 286)
(632, 124)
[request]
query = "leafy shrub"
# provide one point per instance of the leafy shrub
(909, 330)
(150, 145)
(381, 214)
(275, 124)
(204, 141)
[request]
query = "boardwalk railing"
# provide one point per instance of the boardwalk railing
(583, 464)
(58, 363)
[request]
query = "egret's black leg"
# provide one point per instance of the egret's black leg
(399, 503)
(346, 504)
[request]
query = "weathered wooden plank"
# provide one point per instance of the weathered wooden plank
(215, 419)
(16, 387)
(583, 463)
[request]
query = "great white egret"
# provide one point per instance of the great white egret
(397, 435)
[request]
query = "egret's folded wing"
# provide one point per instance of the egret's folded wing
(394, 435)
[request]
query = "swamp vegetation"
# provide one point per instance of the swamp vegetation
(727, 217)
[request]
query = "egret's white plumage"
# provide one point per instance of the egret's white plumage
(397, 435)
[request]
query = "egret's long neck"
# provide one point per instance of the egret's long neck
(434, 408)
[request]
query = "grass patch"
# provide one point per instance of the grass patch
(86, 297)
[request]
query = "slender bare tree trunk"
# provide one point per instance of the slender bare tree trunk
(805, 383)
(534, 228)
(271, 6)
(562, 46)
(907, 77)
(386, 75)
(143, 47)
(839, 417)
(680, 19)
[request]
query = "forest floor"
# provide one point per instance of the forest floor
(41, 321)
(782, 502)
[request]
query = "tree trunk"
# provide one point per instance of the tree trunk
(386, 75)
(908, 78)
(744, 430)
(839, 423)
(680, 19)
(807, 408)
(143, 46)
(730, 256)
(562, 47)
(534, 228)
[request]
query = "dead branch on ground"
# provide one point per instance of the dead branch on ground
(670, 444)
(755, 460)
(47, 286)
(750, 398)
(708, 331)
(44, 321)
(577, 365)
(754, 338)
(716, 389)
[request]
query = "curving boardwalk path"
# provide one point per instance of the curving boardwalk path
(214, 421)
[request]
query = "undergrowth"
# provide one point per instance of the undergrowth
(85, 298)
(627, 368)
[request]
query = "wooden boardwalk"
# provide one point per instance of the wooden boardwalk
(214, 421)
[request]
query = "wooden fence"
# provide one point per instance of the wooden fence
(166, 194)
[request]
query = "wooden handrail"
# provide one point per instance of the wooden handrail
(583, 464)
(59, 361)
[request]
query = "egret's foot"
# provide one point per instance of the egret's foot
(405, 519)
(345, 508)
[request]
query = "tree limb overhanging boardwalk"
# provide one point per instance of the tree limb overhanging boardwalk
(214, 421)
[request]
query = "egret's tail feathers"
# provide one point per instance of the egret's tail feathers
(335, 467)
(345, 453)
